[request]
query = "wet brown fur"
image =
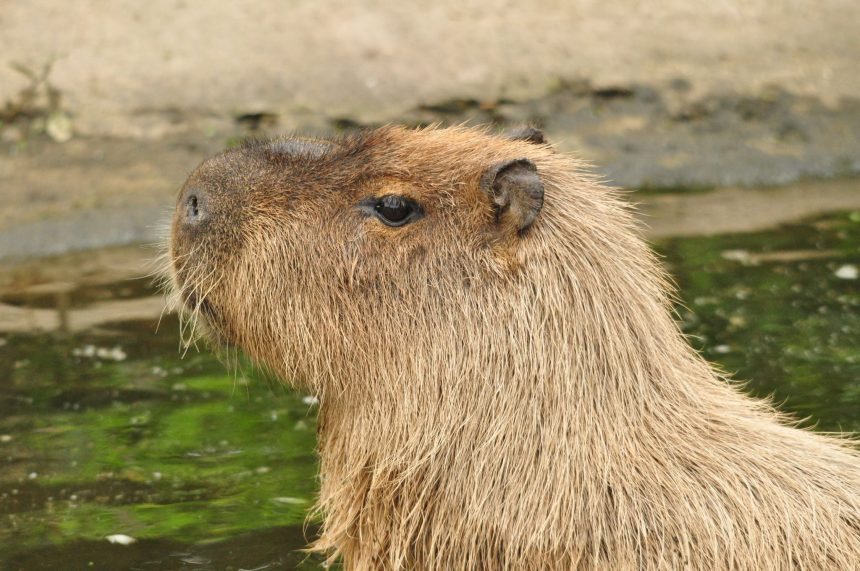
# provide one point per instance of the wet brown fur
(491, 400)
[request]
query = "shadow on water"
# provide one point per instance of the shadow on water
(105, 429)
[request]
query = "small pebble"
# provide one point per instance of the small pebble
(289, 501)
(58, 126)
(736, 255)
(121, 539)
(847, 272)
(105, 353)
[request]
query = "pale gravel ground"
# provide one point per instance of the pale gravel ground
(128, 68)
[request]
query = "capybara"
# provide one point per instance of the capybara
(502, 383)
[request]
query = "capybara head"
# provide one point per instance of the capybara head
(318, 256)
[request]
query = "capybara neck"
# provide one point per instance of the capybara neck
(502, 382)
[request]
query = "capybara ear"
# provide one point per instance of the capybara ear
(516, 192)
(527, 134)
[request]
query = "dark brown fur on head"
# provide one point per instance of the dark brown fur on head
(502, 384)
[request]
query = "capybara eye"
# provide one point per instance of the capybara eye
(392, 209)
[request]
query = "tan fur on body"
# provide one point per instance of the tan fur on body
(491, 400)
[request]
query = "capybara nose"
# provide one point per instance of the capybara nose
(193, 207)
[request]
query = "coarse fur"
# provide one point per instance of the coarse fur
(491, 397)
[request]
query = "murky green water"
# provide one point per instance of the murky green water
(112, 432)
(207, 470)
(780, 310)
